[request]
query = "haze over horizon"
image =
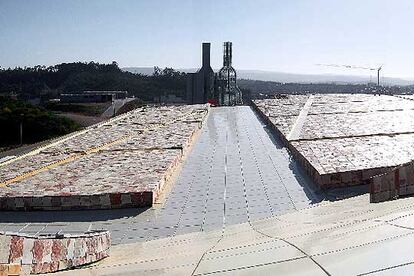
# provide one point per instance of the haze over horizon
(267, 35)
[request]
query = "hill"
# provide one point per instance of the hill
(48, 82)
(291, 77)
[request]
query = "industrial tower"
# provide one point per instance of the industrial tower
(200, 85)
(218, 89)
(226, 89)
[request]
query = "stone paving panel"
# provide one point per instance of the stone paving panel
(283, 113)
(345, 139)
(123, 162)
(320, 126)
(356, 103)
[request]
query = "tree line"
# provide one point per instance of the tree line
(37, 123)
(258, 87)
(49, 82)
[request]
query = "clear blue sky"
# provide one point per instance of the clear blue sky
(287, 36)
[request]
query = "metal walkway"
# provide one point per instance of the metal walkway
(235, 173)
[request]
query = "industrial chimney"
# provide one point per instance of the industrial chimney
(206, 55)
(201, 83)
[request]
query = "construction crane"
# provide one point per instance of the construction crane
(355, 67)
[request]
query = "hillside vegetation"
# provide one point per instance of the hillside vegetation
(38, 123)
(48, 82)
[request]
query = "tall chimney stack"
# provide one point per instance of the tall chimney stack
(206, 55)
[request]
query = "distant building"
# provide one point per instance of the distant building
(85, 98)
(93, 96)
(200, 85)
(169, 98)
(116, 94)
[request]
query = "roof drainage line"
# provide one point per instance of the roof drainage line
(223, 229)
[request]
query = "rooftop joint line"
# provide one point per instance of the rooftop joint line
(187, 198)
(243, 179)
(208, 187)
(223, 229)
(278, 174)
(259, 171)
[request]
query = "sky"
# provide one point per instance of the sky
(277, 35)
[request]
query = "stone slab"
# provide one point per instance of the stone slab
(344, 139)
(124, 162)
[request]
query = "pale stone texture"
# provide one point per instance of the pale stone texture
(345, 139)
(134, 153)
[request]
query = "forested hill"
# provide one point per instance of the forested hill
(30, 82)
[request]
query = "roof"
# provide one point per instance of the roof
(348, 237)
